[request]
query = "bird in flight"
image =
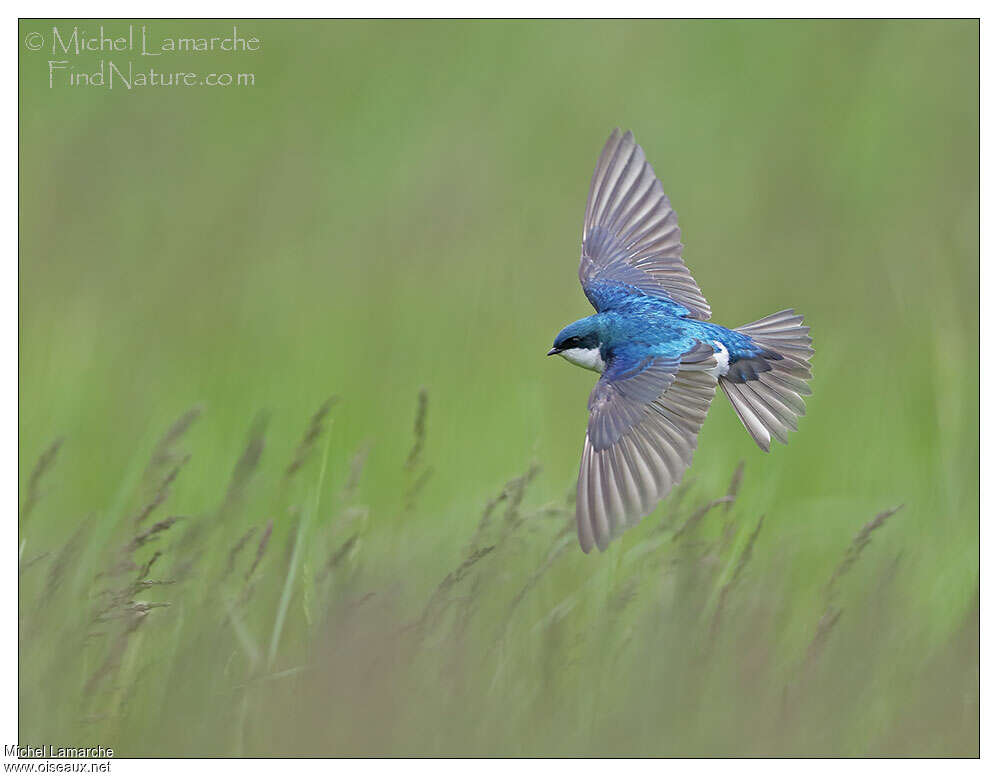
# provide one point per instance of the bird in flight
(658, 356)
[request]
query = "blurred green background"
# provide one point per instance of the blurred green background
(397, 204)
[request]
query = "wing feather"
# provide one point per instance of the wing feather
(631, 235)
(640, 441)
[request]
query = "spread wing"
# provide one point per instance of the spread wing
(631, 240)
(640, 440)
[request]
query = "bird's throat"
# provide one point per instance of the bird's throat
(588, 358)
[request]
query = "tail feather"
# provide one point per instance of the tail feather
(767, 394)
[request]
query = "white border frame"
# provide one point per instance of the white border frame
(9, 478)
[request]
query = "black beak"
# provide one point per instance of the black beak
(553, 351)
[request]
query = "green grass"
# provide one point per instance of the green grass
(397, 205)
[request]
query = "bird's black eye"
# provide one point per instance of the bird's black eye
(587, 341)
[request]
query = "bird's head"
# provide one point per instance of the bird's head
(579, 343)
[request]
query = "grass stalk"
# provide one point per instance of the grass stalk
(300, 538)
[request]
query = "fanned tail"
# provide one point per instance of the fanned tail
(767, 391)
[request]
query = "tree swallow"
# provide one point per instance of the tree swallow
(659, 357)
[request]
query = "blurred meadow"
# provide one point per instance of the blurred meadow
(297, 476)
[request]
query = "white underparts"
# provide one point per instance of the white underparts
(721, 361)
(588, 358)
